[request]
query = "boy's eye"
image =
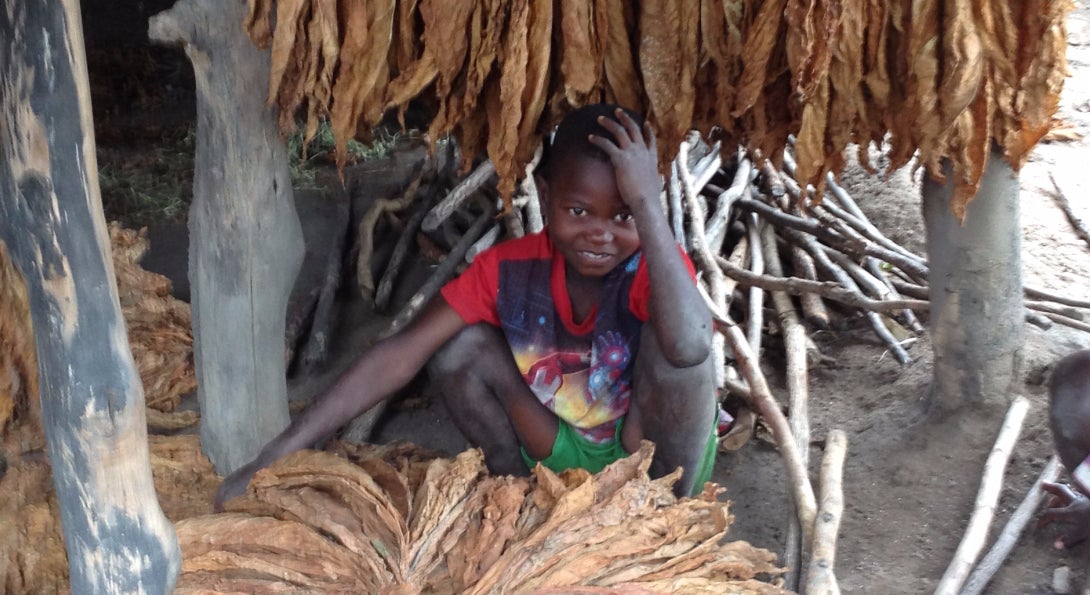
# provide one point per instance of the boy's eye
(577, 211)
(623, 217)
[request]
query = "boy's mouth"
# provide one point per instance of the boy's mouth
(594, 256)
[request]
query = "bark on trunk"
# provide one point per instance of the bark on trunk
(117, 539)
(246, 244)
(976, 289)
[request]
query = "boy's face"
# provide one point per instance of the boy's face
(588, 222)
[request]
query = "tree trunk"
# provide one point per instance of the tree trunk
(246, 244)
(976, 289)
(117, 539)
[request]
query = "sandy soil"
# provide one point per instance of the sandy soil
(909, 483)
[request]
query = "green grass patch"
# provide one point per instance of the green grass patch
(152, 182)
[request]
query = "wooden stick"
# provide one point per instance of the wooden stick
(737, 261)
(397, 259)
(317, 347)
(821, 576)
(1068, 322)
(826, 289)
(1065, 206)
(833, 239)
(756, 302)
(1067, 311)
(766, 406)
(534, 221)
(821, 258)
(867, 281)
(1040, 294)
(458, 195)
(673, 198)
(1007, 539)
(716, 229)
(774, 185)
(484, 243)
(987, 498)
(442, 273)
(874, 266)
(851, 212)
(813, 307)
(704, 259)
(364, 278)
(794, 339)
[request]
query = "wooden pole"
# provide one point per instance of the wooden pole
(986, 499)
(1021, 517)
(246, 244)
(116, 536)
(821, 576)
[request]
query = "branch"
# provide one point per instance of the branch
(1013, 529)
(821, 576)
(986, 499)
(458, 195)
(1065, 206)
(826, 289)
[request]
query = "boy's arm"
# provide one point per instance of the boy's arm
(380, 371)
(682, 321)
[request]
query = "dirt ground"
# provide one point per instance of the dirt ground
(909, 483)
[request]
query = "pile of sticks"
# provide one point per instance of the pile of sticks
(751, 230)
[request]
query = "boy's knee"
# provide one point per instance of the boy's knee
(466, 352)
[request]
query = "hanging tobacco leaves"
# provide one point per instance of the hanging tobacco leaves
(935, 79)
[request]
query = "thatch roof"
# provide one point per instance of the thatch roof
(932, 78)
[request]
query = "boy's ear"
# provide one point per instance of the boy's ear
(542, 196)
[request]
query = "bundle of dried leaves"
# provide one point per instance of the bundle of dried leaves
(944, 78)
(395, 521)
(159, 329)
(18, 360)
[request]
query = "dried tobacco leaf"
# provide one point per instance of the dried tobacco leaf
(505, 113)
(622, 82)
(669, 50)
(288, 13)
(763, 37)
(970, 148)
(536, 92)
(848, 102)
(257, 22)
(269, 549)
(185, 480)
(962, 66)
(1042, 67)
(922, 112)
(580, 50)
(324, 35)
(363, 69)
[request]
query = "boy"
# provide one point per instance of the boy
(1069, 416)
(554, 348)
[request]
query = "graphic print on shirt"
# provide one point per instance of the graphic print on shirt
(581, 372)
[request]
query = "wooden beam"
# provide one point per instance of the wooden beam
(117, 538)
(246, 244)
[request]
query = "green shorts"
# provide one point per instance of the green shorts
(571, 450)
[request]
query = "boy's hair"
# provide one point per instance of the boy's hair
(570, 138)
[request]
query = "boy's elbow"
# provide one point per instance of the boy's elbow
(690, 350)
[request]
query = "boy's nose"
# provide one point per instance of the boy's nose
(602, 234)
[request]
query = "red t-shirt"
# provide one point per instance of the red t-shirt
(581, 371)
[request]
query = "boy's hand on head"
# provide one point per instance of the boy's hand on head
(635, 159)
(1068, 506)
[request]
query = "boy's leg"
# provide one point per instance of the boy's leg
(490, 402)
(673, 407)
